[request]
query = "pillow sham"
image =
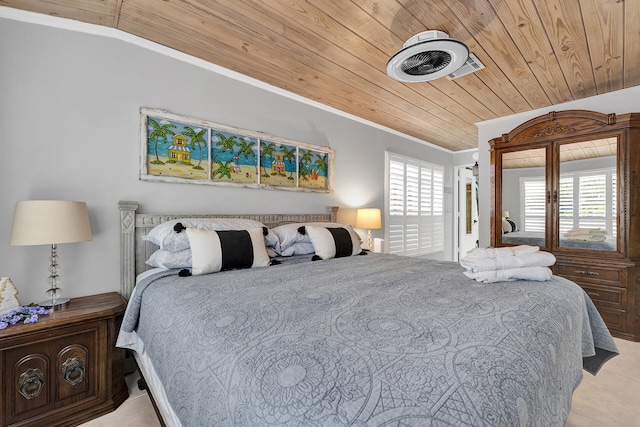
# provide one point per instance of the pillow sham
(167, 239)
(508, 226)
(288, 234)
(168, 259)
(333, 242)
(298, 248)
(218, 250)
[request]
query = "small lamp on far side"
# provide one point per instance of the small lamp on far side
(368, 219)
(475, 169)
(50, 222)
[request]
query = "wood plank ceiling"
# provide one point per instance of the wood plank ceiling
(536, 52)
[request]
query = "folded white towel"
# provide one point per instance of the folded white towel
(524, 249)
(586, 237)
(482, 253)
(534, 259)
(586, 230)
(525, 273)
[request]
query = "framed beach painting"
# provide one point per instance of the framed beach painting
(313, 169)
(177, 149)
(278, 163)
(234, 158)
(182, 149)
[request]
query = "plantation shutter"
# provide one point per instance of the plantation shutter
(566, 204)
(592, 201)
(416, 206)
(586, 200)
(534, 204)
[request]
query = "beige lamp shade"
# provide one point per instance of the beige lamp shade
(41, 222)
(368, 219)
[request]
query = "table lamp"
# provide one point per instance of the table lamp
(50, 222)
(368, 219)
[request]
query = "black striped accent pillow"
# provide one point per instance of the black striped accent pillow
(213, 251)
(333, 242)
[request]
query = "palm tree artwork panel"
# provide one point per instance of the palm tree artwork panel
(178, 148)
(234, 158)
(313, 169)
(278, 164)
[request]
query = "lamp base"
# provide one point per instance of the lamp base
(58, 303)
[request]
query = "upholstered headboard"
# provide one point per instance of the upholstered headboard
(134, 251)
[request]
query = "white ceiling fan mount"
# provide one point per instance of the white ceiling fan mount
(427, 56)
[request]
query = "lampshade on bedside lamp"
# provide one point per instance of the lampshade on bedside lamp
(368, 219)
(50, 222)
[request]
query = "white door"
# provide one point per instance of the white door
(467, 211)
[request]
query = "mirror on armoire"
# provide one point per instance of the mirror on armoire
(587, 195)
(523, 193)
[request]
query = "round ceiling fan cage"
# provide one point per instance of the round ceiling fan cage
(427, 56)
(424, 63)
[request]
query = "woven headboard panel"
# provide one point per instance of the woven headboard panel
(134, 251)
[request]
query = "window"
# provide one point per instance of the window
(587, 199)
(533, 190)
(415, 206)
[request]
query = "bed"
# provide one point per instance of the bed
(364, 340)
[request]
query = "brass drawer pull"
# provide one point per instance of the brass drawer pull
(588, 273)
(30, 383)
(72, 370)
(593, 294)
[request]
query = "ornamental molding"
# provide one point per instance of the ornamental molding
(554, 129)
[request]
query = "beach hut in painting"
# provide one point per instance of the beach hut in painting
(178, 151)
(277, 165)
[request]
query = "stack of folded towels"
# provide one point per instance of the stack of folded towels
(586, 234)
(522, 262)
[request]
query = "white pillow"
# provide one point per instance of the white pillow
(333, 242)
(182, 259)
(298, 248)
(167, 259)
(167, 239)
(213, 251)
(508, 226)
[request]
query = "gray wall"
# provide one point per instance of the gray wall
(69, 114)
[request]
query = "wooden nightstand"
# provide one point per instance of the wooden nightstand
(64, 369)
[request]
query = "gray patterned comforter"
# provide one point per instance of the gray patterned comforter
(375, 340)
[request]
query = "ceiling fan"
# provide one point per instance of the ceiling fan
(430, 55)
